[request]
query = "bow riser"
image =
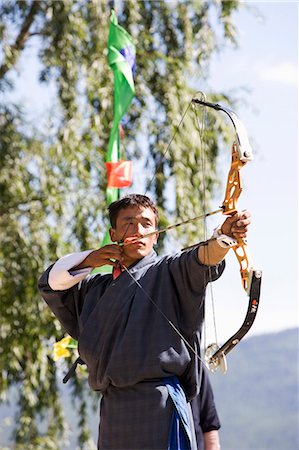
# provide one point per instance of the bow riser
(234, 184)
(241, 253)
(229, 206)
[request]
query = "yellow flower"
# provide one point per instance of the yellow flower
(61, 348)
(60, 352)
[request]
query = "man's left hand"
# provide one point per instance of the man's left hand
(237, 225)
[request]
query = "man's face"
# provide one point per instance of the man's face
(135, 221)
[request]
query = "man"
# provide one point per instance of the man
(138, 329)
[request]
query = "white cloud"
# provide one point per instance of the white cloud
(286, 73)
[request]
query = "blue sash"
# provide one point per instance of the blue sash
(180, 432)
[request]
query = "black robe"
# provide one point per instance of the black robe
(129, 346)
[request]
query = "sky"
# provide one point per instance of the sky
(262, 72)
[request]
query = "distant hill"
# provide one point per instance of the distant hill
(257, 400)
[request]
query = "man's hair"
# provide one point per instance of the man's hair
(127, 202)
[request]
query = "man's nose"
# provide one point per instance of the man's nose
(138, 229)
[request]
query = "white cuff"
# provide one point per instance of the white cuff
(60, 276)
(223, 240)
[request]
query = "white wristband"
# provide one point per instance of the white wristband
(223, 240)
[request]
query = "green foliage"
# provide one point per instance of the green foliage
(52, 179)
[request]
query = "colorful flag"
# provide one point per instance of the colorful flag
(119, 174)
(121, 59)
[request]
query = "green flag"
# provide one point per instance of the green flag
(121, 59)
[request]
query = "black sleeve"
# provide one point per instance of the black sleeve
(190, 275)
(204, 410)
(66, 305)
(209, 419)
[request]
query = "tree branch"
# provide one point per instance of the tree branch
(21, 39)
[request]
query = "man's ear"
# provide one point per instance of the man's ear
(156, 238)
(112, 233)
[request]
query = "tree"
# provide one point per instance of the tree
(52, 179)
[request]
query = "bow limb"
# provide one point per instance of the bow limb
(215, 356)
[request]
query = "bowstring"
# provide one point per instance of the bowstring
(168, 147)
(164, 315)
(201, 126)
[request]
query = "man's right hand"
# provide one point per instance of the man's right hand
(110, 254)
